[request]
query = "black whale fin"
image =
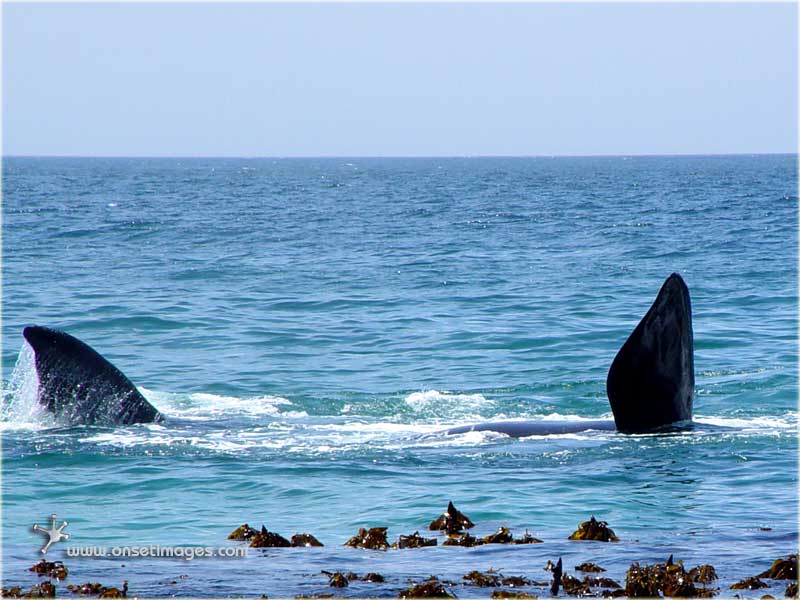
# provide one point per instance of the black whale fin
(651, 381)
(80, 386)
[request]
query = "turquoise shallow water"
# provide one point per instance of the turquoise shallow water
(301, 321)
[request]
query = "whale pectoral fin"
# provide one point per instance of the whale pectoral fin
(651, 381)
(80, 386)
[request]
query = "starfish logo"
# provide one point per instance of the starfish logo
(56, 534)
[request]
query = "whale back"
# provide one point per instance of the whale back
(651, 381)
(80, 386)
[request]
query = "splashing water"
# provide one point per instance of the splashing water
(20, 408)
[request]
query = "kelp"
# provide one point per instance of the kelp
(269, 539)
(243, 533)
(488, 579)
(90, 589)
(305, 540)
(41, 590)
(527, 538)
(432, 588)
(451, 521)
(337, 579)
(55, 569)
(415, 540)
(791, 590)
(501, 536)
(516, 581)
(749, 583)
(782, 568)
(466, 540)
(588, 567)
(373, 578)
(669, 578)
(371, 539)
(595, 530)
(502, 594)
(573, 586)
(703, 574)
(605, 582)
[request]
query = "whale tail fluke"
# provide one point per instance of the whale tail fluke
(79, 386)
(651, 381)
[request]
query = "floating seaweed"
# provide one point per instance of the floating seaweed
(508, 594)
(782, 568)
(703, 574)
(415, 540)
(102, 591)
(605, 582)
(750, 583)
(316, 595)
(527, 538)
(371, 539)
(501, 536)
(515, 581)
(305, 540)
(574, 586)
(791, 590)
(373, 578)
(54, 569)
(337, 579)
(668, 577)
(432, 588)
(451, 521)
(588, 567)
(42, 590)
(488, 579)
(466, 540)
(268, 539)
(242, 533)
(593, 529)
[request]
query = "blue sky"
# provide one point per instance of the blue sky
(385, 79)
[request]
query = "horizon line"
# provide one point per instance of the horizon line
(396, 156)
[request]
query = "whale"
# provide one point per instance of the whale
(650, 384)
(81, 387)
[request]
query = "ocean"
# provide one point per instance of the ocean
(308, 327)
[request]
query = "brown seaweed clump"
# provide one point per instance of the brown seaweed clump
(42, 590)
(501, 536)
(337, 579)
(750, 583)
(373, 578)
(782, 568)
(371, 539)
(515, 581)
(432, 588)
(466, 540)
(573, 586)
(588, 567)
(488, 579)
(54, 569)
(605, 582)
(269, 539)
(242, 533)
(305, 540)
(451, 521)
(593, 529)
(791, 590)
(502, 594)
(527, 538)
(669, 578)
(102, 591)
(415, 540)
(703, 574)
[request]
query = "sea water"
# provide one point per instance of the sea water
(308, 326)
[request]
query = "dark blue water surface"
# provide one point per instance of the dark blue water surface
(301, 321)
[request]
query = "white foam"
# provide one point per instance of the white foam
(204, 406)
(20, 396)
